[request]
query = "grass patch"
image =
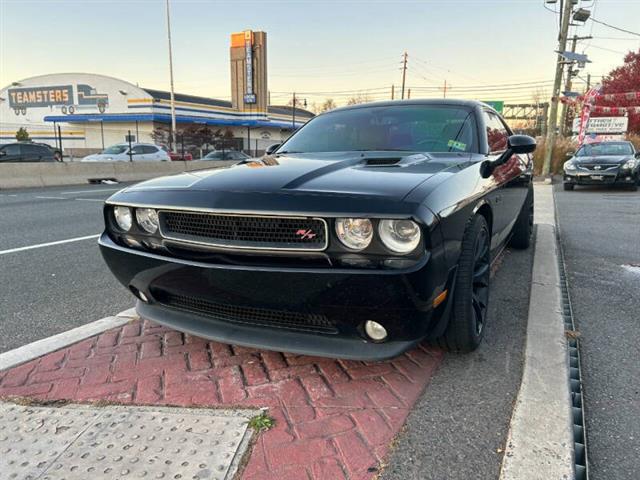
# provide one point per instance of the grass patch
(262, 422)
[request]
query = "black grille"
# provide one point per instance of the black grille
(306, 322)
(600, 168)
(245, 231)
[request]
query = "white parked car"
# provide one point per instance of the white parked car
(140, 152)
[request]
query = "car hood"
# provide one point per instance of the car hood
(391, 175)
(602, 160)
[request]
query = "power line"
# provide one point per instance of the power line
(614, 27)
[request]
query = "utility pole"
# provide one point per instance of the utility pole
(293, 114)
(553, 113)
(173, 100)
(392, 92)
(408, 94)
(404, 71)
(444, 90)
(566, 128)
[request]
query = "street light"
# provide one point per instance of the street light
(581, 15)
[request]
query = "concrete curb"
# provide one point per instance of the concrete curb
(540, 441)
(36, 349)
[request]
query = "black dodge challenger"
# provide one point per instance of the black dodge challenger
(371, 228)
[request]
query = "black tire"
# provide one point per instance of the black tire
(568, 186)
(471, 293)
(523, 228)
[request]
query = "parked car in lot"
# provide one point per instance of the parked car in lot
(223, 155)
(140, 152)
(28, 152)
(603, 163)
(372, 227)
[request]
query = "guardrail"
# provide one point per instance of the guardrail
(48, 174)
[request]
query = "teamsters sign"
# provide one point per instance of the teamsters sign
(31, 97)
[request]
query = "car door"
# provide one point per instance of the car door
(137, 153)
(508, 194)
(152, 153)
(30, 153)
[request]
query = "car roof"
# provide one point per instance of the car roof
(424, 101)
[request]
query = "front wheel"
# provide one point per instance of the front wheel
(471, 293)
(523, 228)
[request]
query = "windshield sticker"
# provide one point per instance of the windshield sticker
(457, 145)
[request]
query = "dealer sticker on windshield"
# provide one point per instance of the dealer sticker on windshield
(457, 145)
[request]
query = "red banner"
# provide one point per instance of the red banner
(589, 100)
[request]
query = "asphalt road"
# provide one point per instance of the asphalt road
(458, 428)
(50, 289)
(600, 234)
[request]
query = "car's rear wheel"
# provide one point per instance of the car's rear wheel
(471, 293)
(523, 228)
(568, 186)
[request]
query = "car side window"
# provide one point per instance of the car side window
(12, 150)
(497, 134)
(31, 150)
(149, 149)
(137, 150)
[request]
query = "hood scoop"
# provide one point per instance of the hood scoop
(382, 161)
(402, 161)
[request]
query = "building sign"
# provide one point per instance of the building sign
(87, 95)
(497, 105)
(603, 125)
(249, 96)
(30, 97)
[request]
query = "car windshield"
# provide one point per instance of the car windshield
(604, 149)
(214, 155)
(115, 150)
(412, 128)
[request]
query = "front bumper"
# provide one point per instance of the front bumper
(237, 304)
(620, 177)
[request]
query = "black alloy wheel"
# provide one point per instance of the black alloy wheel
(481, 274)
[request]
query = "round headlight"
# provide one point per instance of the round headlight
(354, 233)
(569, 165)
(123, 217)
(400, 236)
(148, 219)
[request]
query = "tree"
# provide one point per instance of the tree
(327, 105)
(625, 78)
(359, 98)
(22, 135)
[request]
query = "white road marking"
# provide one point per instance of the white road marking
(90, 199)
(53, 198)
(48, 244)
(96, 191)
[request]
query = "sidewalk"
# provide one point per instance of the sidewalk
(333, 419)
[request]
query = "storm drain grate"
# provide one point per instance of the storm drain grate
(575, 380)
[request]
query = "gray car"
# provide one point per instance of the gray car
(603, 163)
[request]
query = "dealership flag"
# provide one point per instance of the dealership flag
(589, 100)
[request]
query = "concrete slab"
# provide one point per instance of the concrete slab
(82, 441)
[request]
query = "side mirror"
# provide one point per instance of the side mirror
(2, 153)
(637, 154)
(570, 154)
(517, 144)
(272, 148)
(521, 144)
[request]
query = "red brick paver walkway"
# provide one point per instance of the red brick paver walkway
(334, 418)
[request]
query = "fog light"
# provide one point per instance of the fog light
(139, 294)
(375, 331)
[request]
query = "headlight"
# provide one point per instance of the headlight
(569, 166)
(400, 236)
(354, 233)
(630, 164)
(148, 219)
(123, 217)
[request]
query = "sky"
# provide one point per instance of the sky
(320, 49)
